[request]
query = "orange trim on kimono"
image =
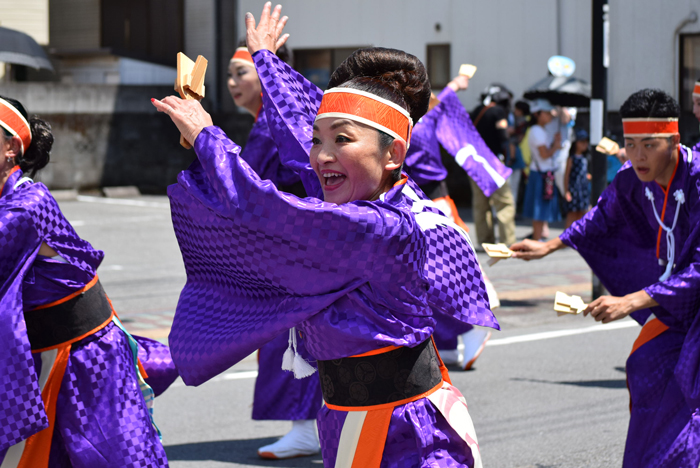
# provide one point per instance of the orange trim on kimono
(650, 330)
(12, 171)
(38, 447)
(696, 89)
(369, 449)
(663, 211)
(78, 338)
(374, 352)
(92, 283)
(391, 405)
(454, 213)
(370, 446)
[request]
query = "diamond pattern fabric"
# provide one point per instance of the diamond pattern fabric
(618, 239)
(29, 216)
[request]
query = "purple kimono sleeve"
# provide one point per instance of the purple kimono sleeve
(458, 135)
(290, 103)
(260, 261)
(613, 239)
(679, 295)
(22, 412)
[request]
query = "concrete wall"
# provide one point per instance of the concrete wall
(509, 41)
(28, 16)
(112, 135)
(643, 49)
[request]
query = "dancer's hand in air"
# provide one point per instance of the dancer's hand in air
(188, 115)
(459, 83)
(267, 34)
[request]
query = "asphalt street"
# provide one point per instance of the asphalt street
(546, 392)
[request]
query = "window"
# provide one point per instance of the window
(150, 30)
(438, 65)
(690, 69)
(317, 64)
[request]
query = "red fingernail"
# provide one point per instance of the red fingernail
(153, 99)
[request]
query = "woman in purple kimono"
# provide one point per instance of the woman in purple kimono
(278, 395)
(359, 268)
(74, 385)
(643, 241)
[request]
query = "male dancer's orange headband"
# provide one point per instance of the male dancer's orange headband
(15, 123)
(696, 89)
(366, 108)
(242, 55)
(650, 127)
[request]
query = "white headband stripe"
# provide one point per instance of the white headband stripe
(374, 97)
(371, 123)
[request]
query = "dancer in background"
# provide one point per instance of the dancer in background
(447, 122)
(642, 240)
(278, 395)
(360, 273)
(73, 378)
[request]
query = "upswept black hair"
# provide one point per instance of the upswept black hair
(391, 74)
(37, 155)
(650, 102)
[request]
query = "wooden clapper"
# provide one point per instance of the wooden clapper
(497, 252)
(565, 304)
(467, 70)
(189, 82)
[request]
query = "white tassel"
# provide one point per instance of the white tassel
(670, 238)
(302, 368)
(288, 358)
(292, 360)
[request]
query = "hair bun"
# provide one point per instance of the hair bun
(37, 155)
(402, 73)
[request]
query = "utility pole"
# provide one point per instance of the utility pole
(600, 59)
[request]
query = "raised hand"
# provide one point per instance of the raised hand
(266, 35)
(459, 83)
(188, 115)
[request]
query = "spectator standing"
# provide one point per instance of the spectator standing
(517, 129)
(541, 196)
(491, 121)
(577, 188)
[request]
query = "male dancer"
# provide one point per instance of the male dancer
(643, 241)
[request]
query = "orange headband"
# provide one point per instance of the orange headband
(242, 55)
(15, 123)
(650, 127)
(368, 109)
(696, 89)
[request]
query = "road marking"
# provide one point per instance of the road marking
(122, 201)
(560, 333)
(221, 377)
(240, 375)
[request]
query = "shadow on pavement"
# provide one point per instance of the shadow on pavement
(236, 451)
(611, 383)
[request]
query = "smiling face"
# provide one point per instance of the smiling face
(653, 159)
(244, 86)
(350, 162)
